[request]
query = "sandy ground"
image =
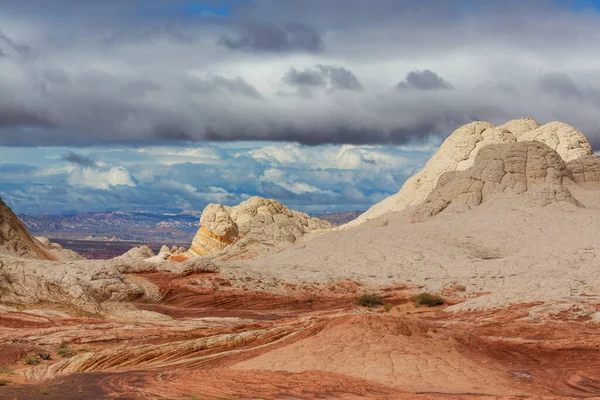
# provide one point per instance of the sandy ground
(509, 252)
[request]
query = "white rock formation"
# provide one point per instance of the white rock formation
(59, 253)
(530, 168)
(254, 221)
(138, 253)
(566, 140)
(83, 284)
(459, 150)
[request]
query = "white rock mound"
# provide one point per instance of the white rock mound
(531, 169)
(137, 253)
(59, 253)
(459, 150)
(255, 221)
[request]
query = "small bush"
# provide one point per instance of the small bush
(4, 382)
(387, 307)
(7, 370)
(45, 391)
(370, 300)
(45, 356)
(65, 353)
(428, 299)
(30, 360)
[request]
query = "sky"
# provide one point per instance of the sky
(325, 105)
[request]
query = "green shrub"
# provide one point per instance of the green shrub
(65, 353)
(31, 360)
(7, 370)
(45, 391)
(4, 382)
(428, 299)
(370, 300)
(387, 307)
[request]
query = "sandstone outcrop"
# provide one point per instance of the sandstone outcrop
(530, 168)
(585, 170)
(59, 253)
(82, 284)
(254, 221)
(166, 254)
(459, 150)
(566, 140)
(16, 240)
(138, 253)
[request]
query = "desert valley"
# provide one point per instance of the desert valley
(479, 279)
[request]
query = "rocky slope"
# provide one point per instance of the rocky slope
(16, 240)
(251, 226)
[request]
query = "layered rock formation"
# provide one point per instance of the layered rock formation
(16, 240)
(254, 221)
(530, 168)
(459, 150)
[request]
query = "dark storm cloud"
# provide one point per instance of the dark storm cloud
(78, 159)
(237, 86)
(559, 84)
(171, 132)
(275, 38)
(104, 73)
(18, 115)
(307, 77)
(424, 80)
(332, 76)
(340, 78)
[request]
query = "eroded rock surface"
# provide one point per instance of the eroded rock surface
(254, 221)
(530, 168)
(459, 150)
(58, 252)
(16, 240)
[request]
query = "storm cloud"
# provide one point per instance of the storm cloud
(332, 77)
(424, 80)
(121, 72)
(79, 159)
(291, 37)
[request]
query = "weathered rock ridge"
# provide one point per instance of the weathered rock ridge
(459, 150)
(16, 240)
(253, 222)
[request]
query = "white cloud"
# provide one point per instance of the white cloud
(101, 179)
